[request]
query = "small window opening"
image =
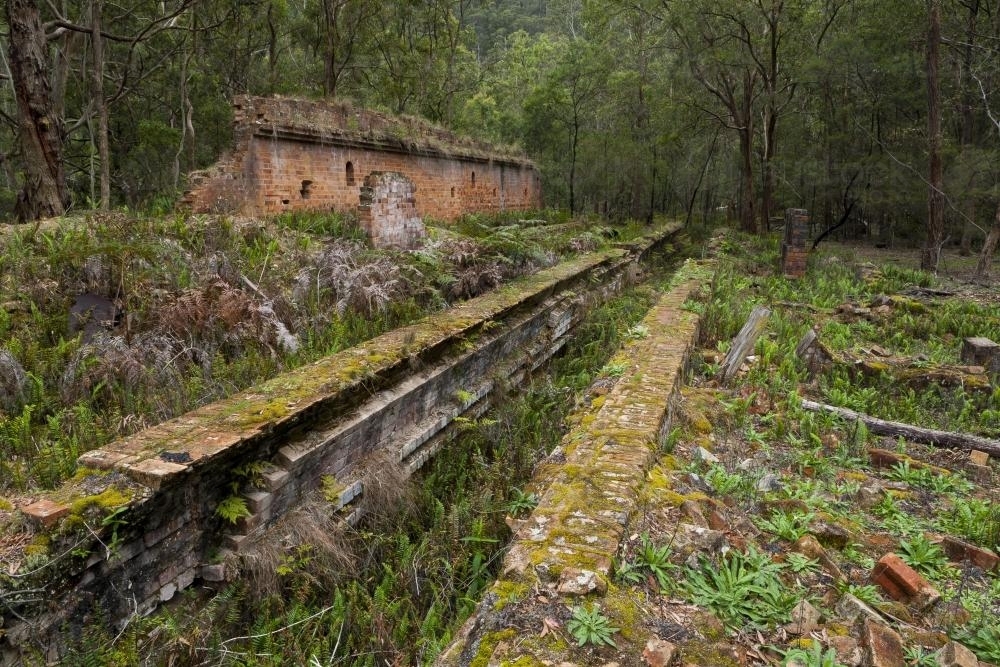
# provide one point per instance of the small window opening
(284, 202)
(494, 192)
(453, 191)
(305, 191)
(349, 173)
(473, 178)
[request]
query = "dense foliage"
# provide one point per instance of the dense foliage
(691, 108)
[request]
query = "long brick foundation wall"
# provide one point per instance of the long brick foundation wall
(395, 396)
(563, 551)
(303, 155)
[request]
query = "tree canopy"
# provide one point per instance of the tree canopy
(630, 107)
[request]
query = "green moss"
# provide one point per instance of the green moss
(488, 644)
(508, 592)
(598, 402)
(6, 505)
(106, 501)
(40, 545)
(626, 615)
(707, 654)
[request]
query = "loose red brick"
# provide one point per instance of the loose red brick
(901, 582)
(979, 458)
(960, 552)
(45, 512)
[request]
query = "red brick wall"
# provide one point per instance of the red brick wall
(282, 165)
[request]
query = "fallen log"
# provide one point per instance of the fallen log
(951, 439)
(743, 343)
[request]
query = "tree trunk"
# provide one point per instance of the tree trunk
(935, 196)
(968, 124)
(989, 248)
(43, 192)
(748, 222)
(101, 104)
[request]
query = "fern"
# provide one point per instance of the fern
(232, 509)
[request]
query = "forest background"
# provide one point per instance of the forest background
(696, 108)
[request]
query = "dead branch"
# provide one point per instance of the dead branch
(951, 439)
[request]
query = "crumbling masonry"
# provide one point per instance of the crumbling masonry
(294, 154)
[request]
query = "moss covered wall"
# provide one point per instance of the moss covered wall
(396, 395)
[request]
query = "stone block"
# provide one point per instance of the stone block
(979, 458)
(167, 592)
(883, 645)
(847, 649)
(258, 501)
(902, 583)
(45, 513)
(954, 654)
(805, 619)
(850, 609)
(213, 572)
(154, 473)
(275, 479)
(980, 351)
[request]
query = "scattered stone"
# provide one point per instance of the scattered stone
(870, 495)
(702, 455)
(954, 654)
(883, 646)
(830, 534)
(979, 458)
(581, 582)
(901, 582)
(960, 552)
(659, 653)
(695, 540)
(718, 521)
(692, 510)
(805, 619)
(45, 513)
(770, 483)
(698, 483)
(851, 609)
(807, 545)
(847, 649)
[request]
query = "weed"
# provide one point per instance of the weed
(232, 509)
(743, 588)
(521, 503)
(917, 656)
(655, 560)
(867, 593)
(984, 640)
(923, 556)
(973, 519)
(811, 657)
(787, 526)
(590, 626)
(801, 564)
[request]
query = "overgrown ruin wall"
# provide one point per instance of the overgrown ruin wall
(311, 155)
(393, 397)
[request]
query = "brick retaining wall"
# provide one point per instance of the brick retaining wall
(396, 394)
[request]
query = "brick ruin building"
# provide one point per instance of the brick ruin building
(293, 154)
